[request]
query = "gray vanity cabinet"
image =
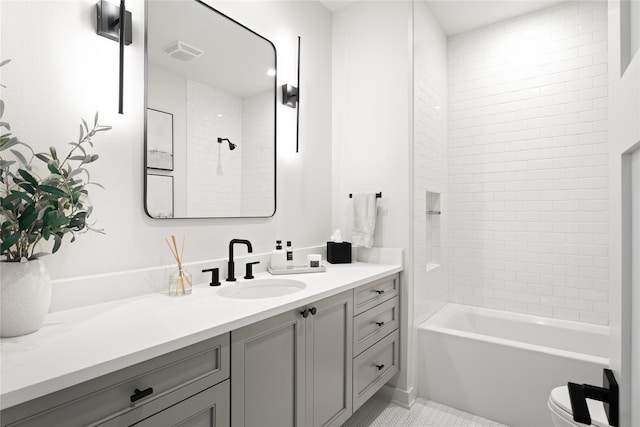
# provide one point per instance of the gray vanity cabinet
(295, 369)
(167, 390)
(308, 367)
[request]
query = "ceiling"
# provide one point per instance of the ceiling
(459, 16)
(235, 59)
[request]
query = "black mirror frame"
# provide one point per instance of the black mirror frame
(275, 118)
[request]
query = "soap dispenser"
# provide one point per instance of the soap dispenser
(289, 254)
(278, 257)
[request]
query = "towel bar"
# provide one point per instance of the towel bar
(378, 195)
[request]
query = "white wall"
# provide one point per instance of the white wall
(429, 161)
(372, 132)
(528, 175)
(624, 138)
(60, 73)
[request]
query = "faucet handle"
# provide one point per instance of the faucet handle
(215, 276)
(249, 269)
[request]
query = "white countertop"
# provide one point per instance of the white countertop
(77, 345)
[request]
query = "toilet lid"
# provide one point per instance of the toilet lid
(560, 398)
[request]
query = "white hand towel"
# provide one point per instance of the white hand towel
(364, 219)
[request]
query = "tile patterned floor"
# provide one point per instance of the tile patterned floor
(378, 412)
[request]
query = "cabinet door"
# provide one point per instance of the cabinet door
(209, 408)
(268, 372)
(329, 361)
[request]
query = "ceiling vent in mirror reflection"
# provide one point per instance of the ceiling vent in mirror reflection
(182, 51)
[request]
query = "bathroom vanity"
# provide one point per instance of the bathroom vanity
(307, 358)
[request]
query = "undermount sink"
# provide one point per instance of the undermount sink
(262, 288)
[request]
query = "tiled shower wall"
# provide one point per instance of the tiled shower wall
(257, 154)
(430, 159)
(222, 182)
(214, 177)
(528, 175)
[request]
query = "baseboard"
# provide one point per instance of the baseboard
(405, 398)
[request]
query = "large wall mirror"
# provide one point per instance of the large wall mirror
(210, 119)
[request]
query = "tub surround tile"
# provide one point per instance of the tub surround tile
(528, 161)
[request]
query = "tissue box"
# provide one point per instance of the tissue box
(339, 253)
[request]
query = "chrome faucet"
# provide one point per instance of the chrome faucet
(230, 265)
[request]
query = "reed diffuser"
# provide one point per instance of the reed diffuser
(179, 281)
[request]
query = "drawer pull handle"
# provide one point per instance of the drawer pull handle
(380, 367)
(305, 313)
(139, 394)
(379, 324)
(379, 291)
(313, 311)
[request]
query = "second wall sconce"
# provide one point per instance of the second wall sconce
(291, 97)
(114, 23)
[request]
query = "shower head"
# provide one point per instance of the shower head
(232, 146)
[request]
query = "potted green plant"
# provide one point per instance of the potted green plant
(43, 197)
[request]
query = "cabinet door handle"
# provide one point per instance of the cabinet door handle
(380, 367)
(379, 291)
(304, 313)
(379, 324)
(313, 311)
(139, 394)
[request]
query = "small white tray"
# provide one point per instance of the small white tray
(298, 269)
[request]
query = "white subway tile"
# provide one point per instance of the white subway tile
(540, 310)
(566, 314)
(592, 317)
(528, 164)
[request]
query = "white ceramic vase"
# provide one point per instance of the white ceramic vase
(25, 297)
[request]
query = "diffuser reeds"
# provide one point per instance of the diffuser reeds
(180, 282)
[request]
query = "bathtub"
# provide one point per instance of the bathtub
(503, 365)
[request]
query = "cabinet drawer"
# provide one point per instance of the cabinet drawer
(205, 363)
(373, 324)
(198, 401)
(208, 408)
(374, 367)
(374, 293)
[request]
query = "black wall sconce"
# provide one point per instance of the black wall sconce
(114, 23)
(291, 97)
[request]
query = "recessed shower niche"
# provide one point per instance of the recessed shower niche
(433, 230)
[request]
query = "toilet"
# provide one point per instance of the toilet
(561, 414)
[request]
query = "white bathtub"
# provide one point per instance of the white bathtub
(503, 365)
